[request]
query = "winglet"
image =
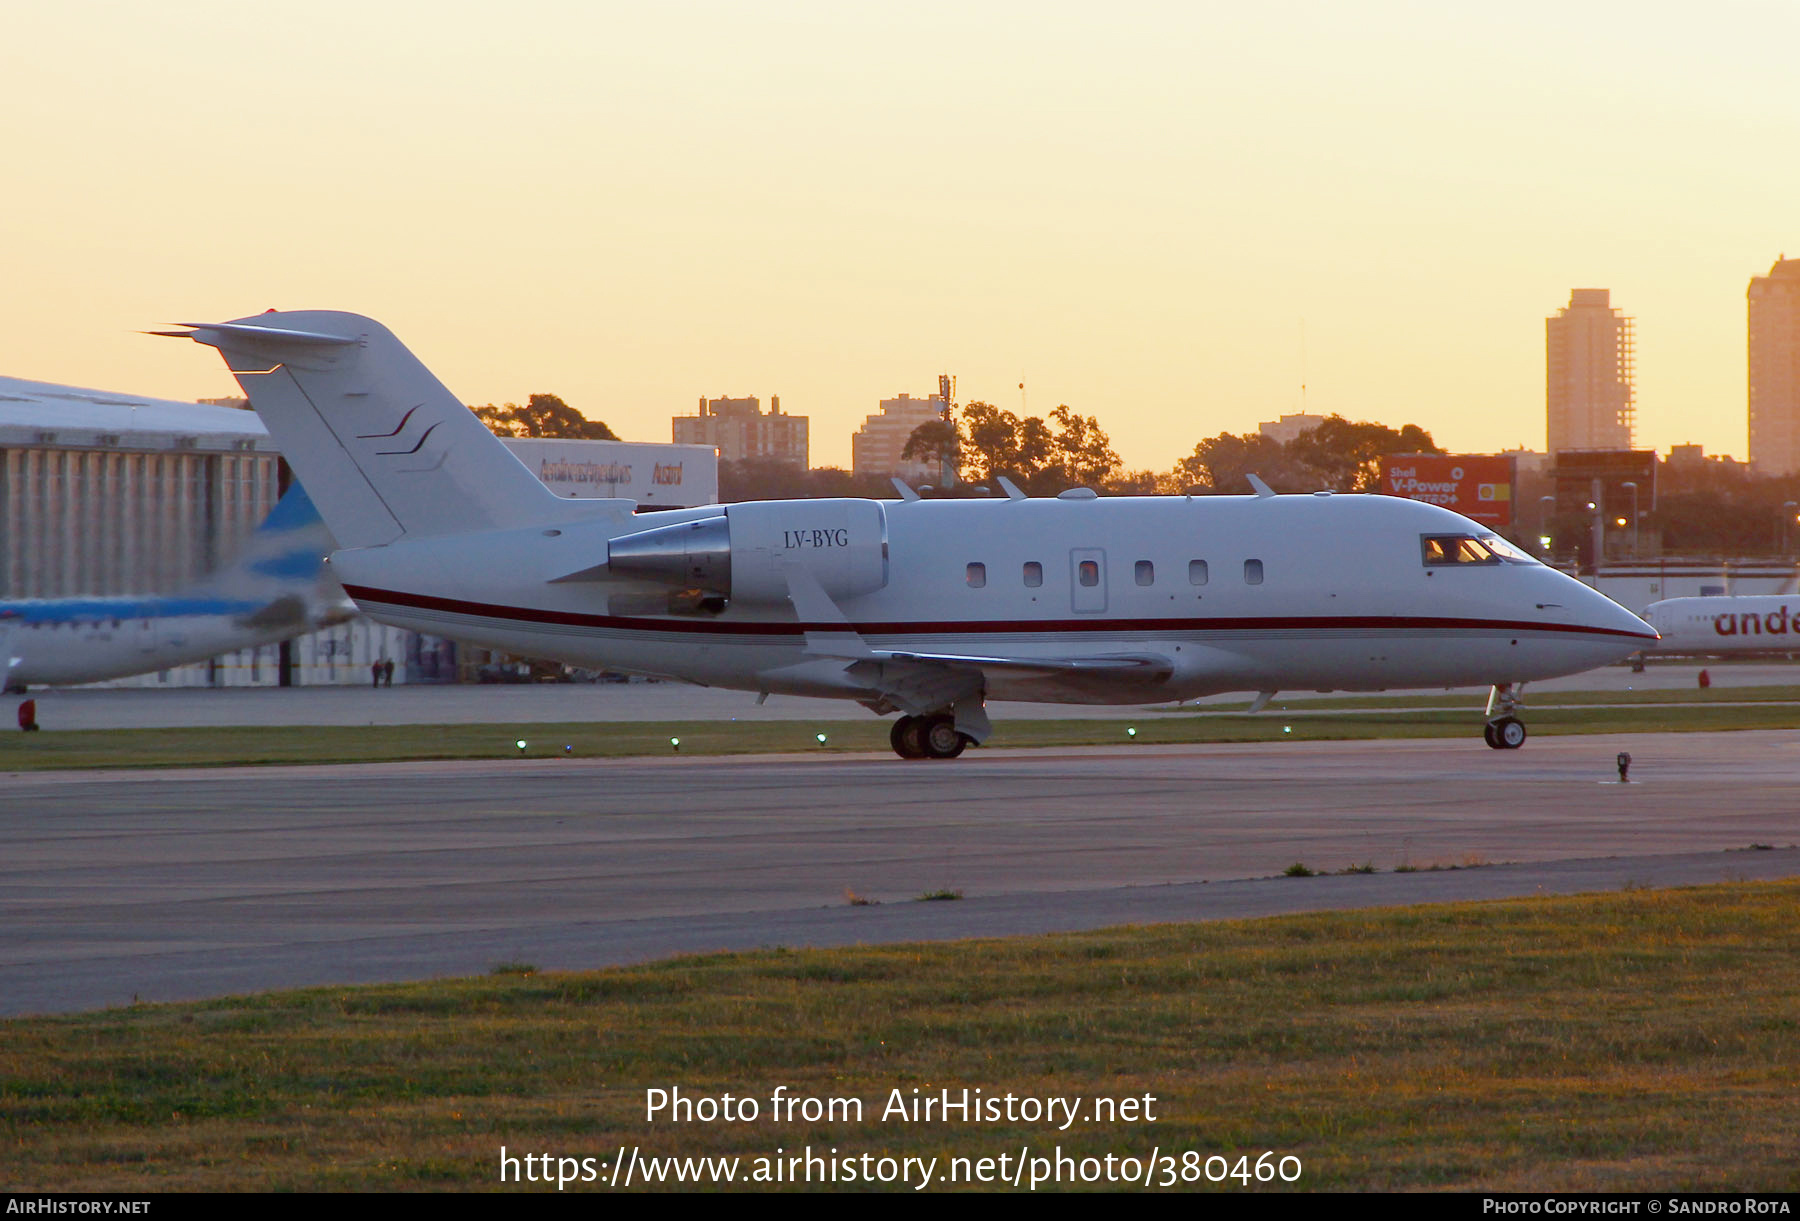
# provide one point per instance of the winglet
(1262, 489)
(1261, 701)
(1010, 488)
(814, 606)
(901, 486)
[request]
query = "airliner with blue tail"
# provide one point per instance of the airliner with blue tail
(276, 590)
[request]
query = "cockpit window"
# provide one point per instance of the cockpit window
(1505, 550)
(1444, 549)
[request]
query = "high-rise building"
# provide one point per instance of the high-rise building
(1588, 365)
(875, 448)
(1775, 369)
(1289, 427)
(739, 429)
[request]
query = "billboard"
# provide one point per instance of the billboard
(1479, 486)
(1602, 476)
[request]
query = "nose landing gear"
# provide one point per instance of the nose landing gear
(1503, 730)
(1507, 733)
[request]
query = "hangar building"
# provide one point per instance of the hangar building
(104, 493)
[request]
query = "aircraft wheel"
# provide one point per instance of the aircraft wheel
(941, 739)
(907, 737)
(1487, 735)
(1509, 733)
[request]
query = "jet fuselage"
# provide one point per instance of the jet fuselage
(1236, 593)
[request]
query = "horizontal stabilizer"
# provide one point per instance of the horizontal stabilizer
(250, 331)
(287, 611)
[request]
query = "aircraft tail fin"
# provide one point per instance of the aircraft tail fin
(385, 449)
(281, 569)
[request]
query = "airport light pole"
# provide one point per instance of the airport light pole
(1634, 516)
(1546, 511)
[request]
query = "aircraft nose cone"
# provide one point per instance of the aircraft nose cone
(1601, 613)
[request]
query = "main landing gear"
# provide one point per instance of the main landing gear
(928, 737)
(1503, 730)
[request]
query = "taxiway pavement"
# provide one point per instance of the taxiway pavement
(126, 885)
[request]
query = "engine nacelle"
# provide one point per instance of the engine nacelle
(689, 554)
(843, 543)
(740, 553)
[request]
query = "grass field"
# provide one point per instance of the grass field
(1616, 712)
(1631, 1041)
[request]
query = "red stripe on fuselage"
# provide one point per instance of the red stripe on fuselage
(715, 627)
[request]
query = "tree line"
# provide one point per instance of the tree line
(1043, 456)
(1720, 507)
(543, 415)
(1068, 450)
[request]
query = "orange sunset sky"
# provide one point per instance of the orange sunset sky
(1164, 215)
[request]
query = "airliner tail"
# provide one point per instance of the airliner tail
(281, 571)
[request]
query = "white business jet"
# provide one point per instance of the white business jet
(923, 607)
(276, 589)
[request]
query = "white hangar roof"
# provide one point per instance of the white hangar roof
(42, 413)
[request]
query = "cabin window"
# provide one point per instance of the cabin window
(1145, 572)
(1034, 574)
(1253, 572)
(977, 575)
(1196, 572)
(1088, 573)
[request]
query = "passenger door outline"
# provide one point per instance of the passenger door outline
(1087, 599)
